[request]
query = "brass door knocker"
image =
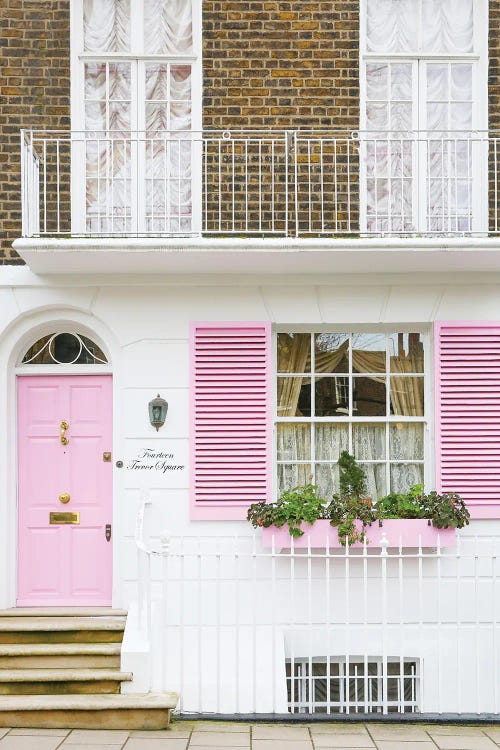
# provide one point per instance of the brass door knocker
(64, 427)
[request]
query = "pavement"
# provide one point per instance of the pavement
(203, 735)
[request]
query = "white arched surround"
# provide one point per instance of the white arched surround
(16, 339)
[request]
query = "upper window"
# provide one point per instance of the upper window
(137, 64)
(423, 95)
(361, 392)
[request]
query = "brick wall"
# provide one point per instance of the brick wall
(34, 92)
(280, 64)
(283, 65)
(267, 64)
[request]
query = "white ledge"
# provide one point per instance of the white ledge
(260, 255)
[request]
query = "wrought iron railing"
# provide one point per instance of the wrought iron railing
(236, 628)
(260, 183)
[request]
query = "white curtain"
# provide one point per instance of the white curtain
(106, 25)
(163, 160)
(392, 153)
(446, 26)
(168, 27)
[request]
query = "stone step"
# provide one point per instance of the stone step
(63, 629)
(59, 655)
(57, 681)
(148, 711)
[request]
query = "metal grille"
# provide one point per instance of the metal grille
(359, 685)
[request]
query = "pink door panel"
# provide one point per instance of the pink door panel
(64, 564)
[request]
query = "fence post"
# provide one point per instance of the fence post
(165, 552)
(384, 543)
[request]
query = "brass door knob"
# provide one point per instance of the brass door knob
(64, 498)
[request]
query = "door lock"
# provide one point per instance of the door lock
(108, 532)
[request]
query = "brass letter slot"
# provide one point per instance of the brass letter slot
(64, 518)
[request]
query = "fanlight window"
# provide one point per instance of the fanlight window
(64, 349)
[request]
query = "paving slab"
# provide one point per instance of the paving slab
(155, 743)
(464, 742)
(279, 732)
(174, 732)
(457, 730)
(96, 737)
(398, 733)
(338, 729)
(282, 744)
(402, 744)
(220, 739)
(343, 740)
(218, 726)
(493, 733)
(38, 732)
(27, 742)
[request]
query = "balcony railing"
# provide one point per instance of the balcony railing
(260, 183)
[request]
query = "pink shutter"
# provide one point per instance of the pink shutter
(230, 418)
(467, 357)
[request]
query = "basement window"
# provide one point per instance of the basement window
(356, 685)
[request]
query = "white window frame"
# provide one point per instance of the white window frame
(479, 58)
(78, 58)
(426, 420)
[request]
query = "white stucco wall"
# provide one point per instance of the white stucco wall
(143, 323)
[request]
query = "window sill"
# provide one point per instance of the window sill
(402, 532)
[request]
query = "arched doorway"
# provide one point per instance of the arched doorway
(64, 390)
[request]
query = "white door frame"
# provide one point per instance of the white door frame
(13, 345)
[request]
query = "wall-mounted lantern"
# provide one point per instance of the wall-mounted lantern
(158, 408)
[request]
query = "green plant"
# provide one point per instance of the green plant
(402, 504)
(447, 510)
(352, 478)
(351, 511)
(443, 511)
(293, 507)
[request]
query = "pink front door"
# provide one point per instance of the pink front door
(64, 564)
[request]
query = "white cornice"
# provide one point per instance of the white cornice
(275, 256)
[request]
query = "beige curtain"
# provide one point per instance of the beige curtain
(289, 388)
(407, 394)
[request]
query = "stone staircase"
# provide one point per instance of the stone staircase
(62, 669)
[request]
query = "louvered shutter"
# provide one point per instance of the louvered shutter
(230, 418)
(468, 414)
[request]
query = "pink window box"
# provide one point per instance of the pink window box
(409, 532)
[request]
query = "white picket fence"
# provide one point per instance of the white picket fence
(237, 629)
